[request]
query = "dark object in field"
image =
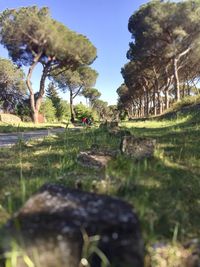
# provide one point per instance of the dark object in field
(137, 148)
(55, 225)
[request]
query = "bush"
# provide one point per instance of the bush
(65, 116)
(83, 111)
(48, 110)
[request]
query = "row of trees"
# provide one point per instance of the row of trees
(95, 108)
(164, 57)
(32, 37)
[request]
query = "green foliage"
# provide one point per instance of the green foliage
(83, 111)
(23, 110)
(65, 110)
(29, 30)
(91, 93)
(56, 101)
(12, 85)
(101, 107)
(48, 110)
(75, 81)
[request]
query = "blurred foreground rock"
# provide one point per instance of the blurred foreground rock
(57, 228)
(137, 148)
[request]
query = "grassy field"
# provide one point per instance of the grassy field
(164, 190)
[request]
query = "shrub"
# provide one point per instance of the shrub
(65, 110)
(83, 111)
(48, 110)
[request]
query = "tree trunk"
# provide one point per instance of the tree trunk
(71, 107)
(154, 102)
(159, 103)
(29, 85)
(166, 98)
(35, 116)
(38, 101)
(147, 104)
(176, 79)
(188, 88)
(141, 108)
(176, 76)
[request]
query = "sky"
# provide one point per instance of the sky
(104, 22)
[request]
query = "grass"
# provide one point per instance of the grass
(27, 126)
(164, 190)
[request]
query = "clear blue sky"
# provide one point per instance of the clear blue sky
(104, 22)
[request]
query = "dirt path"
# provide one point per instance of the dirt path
(9, 139)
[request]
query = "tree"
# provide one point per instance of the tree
(164, 54)
(113, 112)
(75, 81)
(12, 86)
(92, 94)
(56, 100)
(32, 36)
(83, 111)
(101, 108)
(48, 110)
(66, 110)
(125, 100)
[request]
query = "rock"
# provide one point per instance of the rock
(109, 124)
(137, 148)
(9, 118)
(92, 159)
(117, 132)
(102, 150)
(55, 229)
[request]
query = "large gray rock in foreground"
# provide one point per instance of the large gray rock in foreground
(53, 223)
